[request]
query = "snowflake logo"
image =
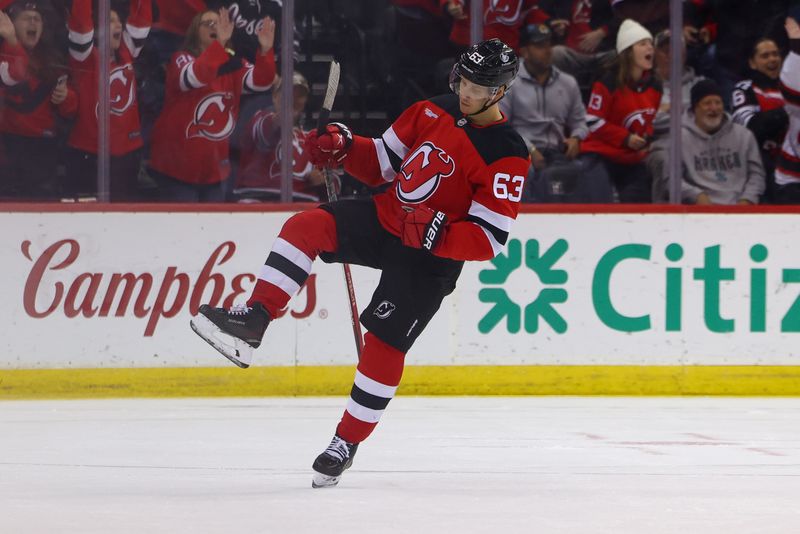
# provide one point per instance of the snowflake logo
(542, 307)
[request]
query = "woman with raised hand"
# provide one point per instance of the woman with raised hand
(205, 82)
(126, 41)
(32, 106)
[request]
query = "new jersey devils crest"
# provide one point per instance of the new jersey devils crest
(213, 118)
(422, 172)
(122, 89)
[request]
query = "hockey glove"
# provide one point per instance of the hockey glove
(330, 148)
(422, 227)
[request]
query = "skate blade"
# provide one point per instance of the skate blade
(236, 350)
(324, 481)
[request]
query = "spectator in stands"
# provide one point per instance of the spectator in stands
(259, 177)
(126, 42)
(721, 160)
(620, 116)
(583, 27)
(502, 20)
(739, 25)
(545, 107)
(659, 148)
(787, 172)
(758, 104)
(205, 81)
(31, 107)
(175, 16)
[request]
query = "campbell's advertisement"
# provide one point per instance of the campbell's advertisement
(118, 289)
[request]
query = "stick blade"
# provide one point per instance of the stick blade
(333, 86)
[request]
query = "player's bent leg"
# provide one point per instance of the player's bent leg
(235, 332)
(377, 376)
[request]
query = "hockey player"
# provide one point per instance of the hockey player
(457, 171)
(787, 173)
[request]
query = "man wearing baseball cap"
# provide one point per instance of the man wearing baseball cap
(546, 110)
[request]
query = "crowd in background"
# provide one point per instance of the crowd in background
(195, 107)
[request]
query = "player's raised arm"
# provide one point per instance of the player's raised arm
(137, 27)
(13, 58)
(81, 30)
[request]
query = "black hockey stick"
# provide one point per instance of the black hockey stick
(322, 121)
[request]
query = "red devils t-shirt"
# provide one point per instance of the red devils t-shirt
(437, 158)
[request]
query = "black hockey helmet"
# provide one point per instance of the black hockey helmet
(489, 63)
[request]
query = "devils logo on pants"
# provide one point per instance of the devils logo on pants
(213, 118)
(422, 172)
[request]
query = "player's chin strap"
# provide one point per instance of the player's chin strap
(487, 105)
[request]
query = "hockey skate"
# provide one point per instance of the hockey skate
(233, 332)
(329, 466)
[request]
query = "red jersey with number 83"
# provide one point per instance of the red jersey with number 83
(437, 158)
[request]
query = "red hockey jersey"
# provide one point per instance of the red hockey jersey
(84, 61)
(501, 19)
(436, 157)
(579, 24)
(615, 112)
(29, 112)
(13, 64)
(260, 159)
(190, 139)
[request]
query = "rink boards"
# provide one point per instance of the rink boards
(624, 301)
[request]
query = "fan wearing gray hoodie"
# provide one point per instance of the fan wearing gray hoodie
(721, 159)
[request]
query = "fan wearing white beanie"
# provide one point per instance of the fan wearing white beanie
(630, 33)
(620, 118)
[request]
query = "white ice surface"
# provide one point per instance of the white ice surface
(434, 465)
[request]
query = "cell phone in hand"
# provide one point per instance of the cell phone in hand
(62, 79)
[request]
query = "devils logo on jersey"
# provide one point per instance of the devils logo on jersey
(213, 118)
(503, 12)
(301, 165)
(422, 171)
(122, 89)
(637, 121)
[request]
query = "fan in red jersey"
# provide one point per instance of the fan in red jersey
(205, 82)
(259, 177)
(31, 108)
(620, 116)
(502, 19)
(455, 172)
(126, 42)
